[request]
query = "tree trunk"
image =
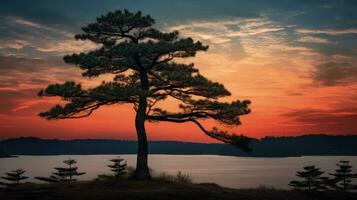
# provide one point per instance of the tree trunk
(142, 169)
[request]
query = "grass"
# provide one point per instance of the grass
(178, 178)
(157, 189)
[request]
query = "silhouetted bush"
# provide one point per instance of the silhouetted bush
(183, 178)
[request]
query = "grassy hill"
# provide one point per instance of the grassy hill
(153, 190)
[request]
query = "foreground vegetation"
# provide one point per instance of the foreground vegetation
(155, 189)
(120, 184)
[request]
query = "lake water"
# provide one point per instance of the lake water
(234, 172)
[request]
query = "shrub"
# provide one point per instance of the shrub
(178, 178)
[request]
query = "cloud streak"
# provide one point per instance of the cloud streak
(252, 38)
(328, 31)
(327, 121)
(41, 39)
(29, 23)
(335, 73)
(311, 39)
(225, 30)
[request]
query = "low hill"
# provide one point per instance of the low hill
(266, 147)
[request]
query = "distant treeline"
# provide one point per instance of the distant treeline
(266, 147)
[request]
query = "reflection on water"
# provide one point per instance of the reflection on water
(235, 172)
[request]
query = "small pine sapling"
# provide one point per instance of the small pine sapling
(343, 177)
(63, 174)
(118, 167)
(14, 177)
(313, 181)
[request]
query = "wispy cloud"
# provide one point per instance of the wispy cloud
(335, 73)
(16, 44)
(67, 46)
(333, 120)
(328, 31)
(26, 22)
(253, 37)
(29, 23)
(311, 39)
(42, 38)
(225, 30)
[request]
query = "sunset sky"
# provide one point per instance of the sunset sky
(295, 60)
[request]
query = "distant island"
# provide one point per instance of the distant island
(3, 154)
(306, 145)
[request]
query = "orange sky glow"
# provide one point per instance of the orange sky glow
(288, 81)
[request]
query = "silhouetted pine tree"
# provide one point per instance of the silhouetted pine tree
(312, 179)
(14, 177)
(118, 167)
(63, 174)
(343, 177)
(144, 62)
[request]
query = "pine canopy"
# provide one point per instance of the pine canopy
(144, 62)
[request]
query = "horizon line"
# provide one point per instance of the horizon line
(133, 140)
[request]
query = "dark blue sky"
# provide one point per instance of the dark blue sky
(71, 15)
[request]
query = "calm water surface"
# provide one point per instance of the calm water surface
(234, 172)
